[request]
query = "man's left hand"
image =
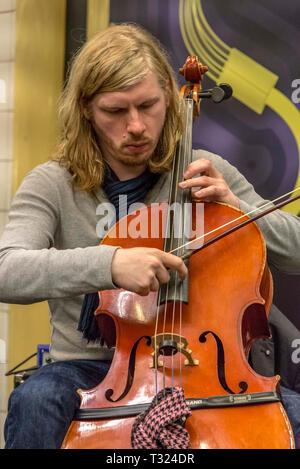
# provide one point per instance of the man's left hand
(210, 184)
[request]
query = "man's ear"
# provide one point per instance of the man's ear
(84, 109)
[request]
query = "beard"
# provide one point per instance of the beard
(123, 155)
(134, 160)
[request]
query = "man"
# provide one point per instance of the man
(121, 118)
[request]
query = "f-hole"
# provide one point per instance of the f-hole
(221, 364)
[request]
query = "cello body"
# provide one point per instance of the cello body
(230, 293)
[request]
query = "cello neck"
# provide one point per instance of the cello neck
(178, 221)
(179, 199)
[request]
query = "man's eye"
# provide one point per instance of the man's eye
(146, 105)
(116, 110)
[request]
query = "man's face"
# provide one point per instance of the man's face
(128, 125)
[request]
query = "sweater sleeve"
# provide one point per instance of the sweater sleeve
(281, 230)
(31, 268)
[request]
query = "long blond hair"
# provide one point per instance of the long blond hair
(115, 59)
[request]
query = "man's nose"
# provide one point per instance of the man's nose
(135, 123)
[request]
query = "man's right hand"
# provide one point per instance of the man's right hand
(142, 270)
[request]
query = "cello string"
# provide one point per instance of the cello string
(180, 298)
(180, 331)
(179, 218)
(155, 345)
(181, 163)
(183, 214)
(172, 238)
(186, 161)
(156, 326)
(171, 232)
(183, 157)
(167, 286)
(232, 221)
(176, 280)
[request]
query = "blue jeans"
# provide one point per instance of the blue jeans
(41, 409)
(291, 404)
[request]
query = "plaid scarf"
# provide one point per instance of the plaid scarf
(162, 424)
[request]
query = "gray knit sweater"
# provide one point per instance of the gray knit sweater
(50, 249)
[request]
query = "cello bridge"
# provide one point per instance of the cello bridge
(168, 344)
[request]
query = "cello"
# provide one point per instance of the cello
(192, 338)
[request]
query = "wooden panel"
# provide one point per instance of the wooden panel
(39, 65)
(97, 16)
